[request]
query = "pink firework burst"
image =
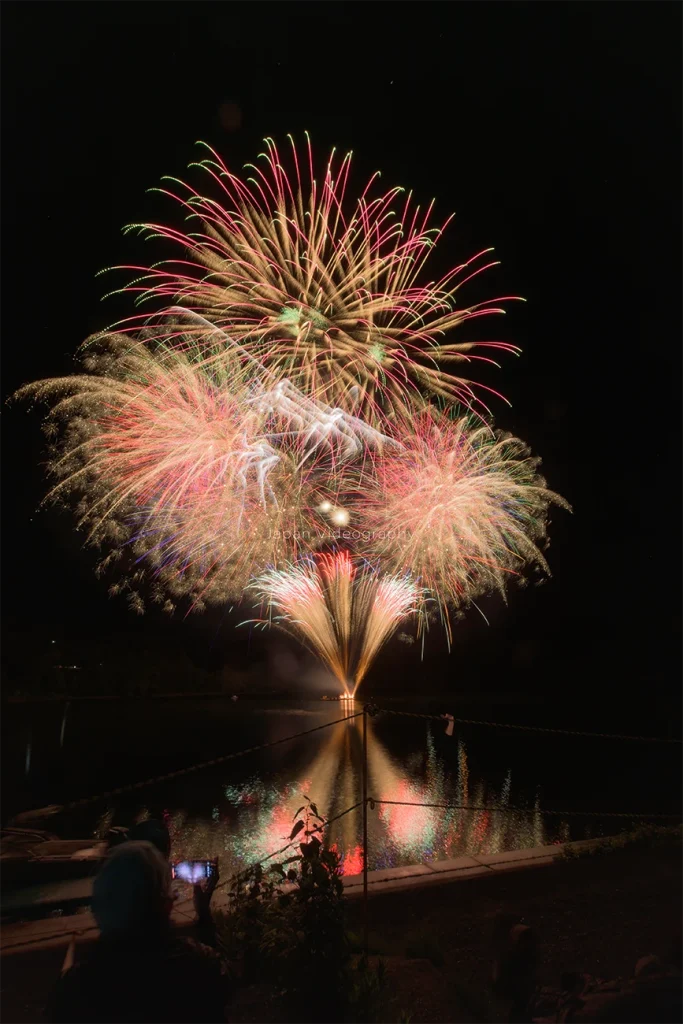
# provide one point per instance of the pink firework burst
(193, 468)
(463, 507)
(327, 291)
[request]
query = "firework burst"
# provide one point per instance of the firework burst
(324, 291)
(197, 469)
(462, 506)
(343, 614)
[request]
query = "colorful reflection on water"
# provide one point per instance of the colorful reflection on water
(242, 810)
(252, 818)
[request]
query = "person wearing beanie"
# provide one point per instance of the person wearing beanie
(139, 970)
(155, 832)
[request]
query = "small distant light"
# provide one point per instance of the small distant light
(325, 507)
(340, 517)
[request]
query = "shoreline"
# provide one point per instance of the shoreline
(75, 896)
(48, 928)
(462, 698)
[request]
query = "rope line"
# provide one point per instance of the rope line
(532, 728)
(196, 767)
(372, 710)
(462, 807)
(293, 842)
(529, 810)
(400, 803)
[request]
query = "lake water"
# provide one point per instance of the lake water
(243, 809)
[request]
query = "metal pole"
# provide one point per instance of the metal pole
(365, 830)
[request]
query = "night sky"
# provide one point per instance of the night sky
(553, 131)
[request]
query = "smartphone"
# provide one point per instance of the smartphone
(193, 871)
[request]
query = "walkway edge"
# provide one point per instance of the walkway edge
(26, 936)
(459, 869)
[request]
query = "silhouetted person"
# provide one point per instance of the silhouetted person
(139, 970)
(154, 832)
(515, 964)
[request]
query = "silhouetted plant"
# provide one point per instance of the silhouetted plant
(286, 924)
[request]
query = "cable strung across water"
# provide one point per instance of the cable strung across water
(372, 710)
(373, 801)
(196, 767)
(528, 810)
(297, 839)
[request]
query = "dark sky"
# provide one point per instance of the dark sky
(554, 132)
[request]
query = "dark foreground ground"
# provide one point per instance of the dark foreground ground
(597, 915)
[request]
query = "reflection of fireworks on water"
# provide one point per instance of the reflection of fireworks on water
(432, 833)
(317, 290)
(264, 816)
(463, 774)
(253, 819)
(342, 614)
(350, 860)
